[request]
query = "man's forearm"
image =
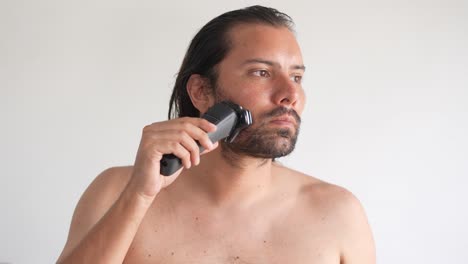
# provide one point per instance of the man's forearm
(109, 240)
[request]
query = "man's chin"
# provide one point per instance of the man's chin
(278, 147)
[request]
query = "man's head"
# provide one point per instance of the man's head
(251, 57)
(210, 46)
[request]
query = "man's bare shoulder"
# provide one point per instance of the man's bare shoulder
(340, 212)
(108, 185)
(94, 203)
(114, 177)
(102, 193)
(316, 193)
(306, 183)
(104, 190)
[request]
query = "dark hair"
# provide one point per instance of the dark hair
(210, 46)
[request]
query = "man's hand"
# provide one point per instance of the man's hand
(178, 137)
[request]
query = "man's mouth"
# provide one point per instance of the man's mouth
(284, 120)
(283, 115)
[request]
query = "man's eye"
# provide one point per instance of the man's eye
(296, 78)
(261, 73)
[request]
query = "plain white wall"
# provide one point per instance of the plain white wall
(387, 114)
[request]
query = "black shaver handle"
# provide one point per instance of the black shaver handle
(223, 116)
(171, 163)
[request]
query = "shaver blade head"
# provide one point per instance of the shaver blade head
(244, 119)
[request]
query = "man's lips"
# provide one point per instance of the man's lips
(282, 116)
(284, 120)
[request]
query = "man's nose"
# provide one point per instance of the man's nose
(287, 91)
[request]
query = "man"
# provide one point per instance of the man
(232, 203)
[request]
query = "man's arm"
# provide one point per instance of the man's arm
(358, 244)
(105, 220)
(110, 211)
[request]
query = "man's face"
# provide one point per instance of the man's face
(262, 72)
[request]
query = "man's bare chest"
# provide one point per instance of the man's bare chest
(255, 238)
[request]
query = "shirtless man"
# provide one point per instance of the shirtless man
(233, 203)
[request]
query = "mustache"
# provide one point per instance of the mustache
(282, 111)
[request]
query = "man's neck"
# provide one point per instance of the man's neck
(224, 180)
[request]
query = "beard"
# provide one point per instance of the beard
(261, 139)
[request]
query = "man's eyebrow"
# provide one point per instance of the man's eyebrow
(298, 67)
(271, 63)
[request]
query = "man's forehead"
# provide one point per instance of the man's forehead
(241, 31)
(272, 63)
(258, 42)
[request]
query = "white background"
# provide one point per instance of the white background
(387, 111)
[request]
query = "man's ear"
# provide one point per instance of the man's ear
(200, 92)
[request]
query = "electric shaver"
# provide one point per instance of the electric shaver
(229, 119)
